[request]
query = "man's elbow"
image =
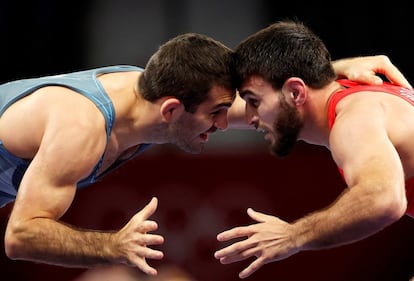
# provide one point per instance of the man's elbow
(391, 207)
(14, 247)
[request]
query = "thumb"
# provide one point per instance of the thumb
(149, 209)
(257, 216)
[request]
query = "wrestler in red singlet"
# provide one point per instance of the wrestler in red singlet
(353, 87)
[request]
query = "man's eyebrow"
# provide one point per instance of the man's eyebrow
(223, 104)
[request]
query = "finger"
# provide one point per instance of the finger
(396, 77)
(148, 210)
(151, 253)
(152, 239)
(234, 258)
(147, 226)
(142, 264)
(237, 232)
(252, 251)
(233, 249)
(370, 79)
(257, 216)
(393, 74)
(253, 267)
(147, 253)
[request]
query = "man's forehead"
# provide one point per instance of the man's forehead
(252, 85)
(253, 81)
(222, 94)
(218, 97)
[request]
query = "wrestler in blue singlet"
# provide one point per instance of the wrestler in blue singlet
(85, 83)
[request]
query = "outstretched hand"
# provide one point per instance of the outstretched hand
(268, 240)
(132, 240)
(364, 70)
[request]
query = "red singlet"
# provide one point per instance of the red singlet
(353, 87)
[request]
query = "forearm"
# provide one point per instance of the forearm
(351, 218)
(47, 241)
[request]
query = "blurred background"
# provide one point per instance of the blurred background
(201, 195)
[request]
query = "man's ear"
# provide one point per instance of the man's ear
(170, 108)
(296, 91)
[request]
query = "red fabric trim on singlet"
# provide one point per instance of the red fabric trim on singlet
(353, 87)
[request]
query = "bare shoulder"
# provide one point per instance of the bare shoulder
(372, 116)
(367, 102)
(50, 111)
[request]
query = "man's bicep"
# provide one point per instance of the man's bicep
(49, 184)
(362, 149)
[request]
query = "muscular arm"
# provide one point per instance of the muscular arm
(65, 156)
(34, 232)
(374, 199)
(375, 196)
